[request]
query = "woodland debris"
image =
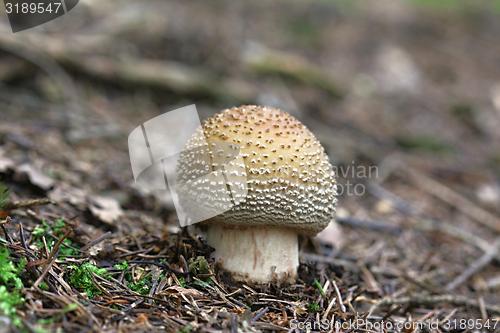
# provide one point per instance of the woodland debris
(106, 209)
(35, 176)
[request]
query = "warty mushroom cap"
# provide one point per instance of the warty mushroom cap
(289, 179)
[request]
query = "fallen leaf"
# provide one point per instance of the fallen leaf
(106, 209)
(66, 193)
(184, 291)
(35, 176)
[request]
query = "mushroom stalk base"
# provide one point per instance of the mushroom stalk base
(258, 254)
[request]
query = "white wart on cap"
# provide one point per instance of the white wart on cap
(290, 190)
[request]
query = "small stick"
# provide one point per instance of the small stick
(482, 309)
(433, 300)
(305, 257)
(96, 241)
(155, 276)
(400, 204)
(339, 297)
(425, 225)
(22, 237)
(52, 258)
(329, 308)
(186, 267)
(26, 203)
(24, 245)
(234, 323)
(369, 225)
(455, 199)
(158, 264)
(475, 267)
(493, 282)
(7, 236)
(458, 233)
(259, 314)
(170, 76)
(428, 224)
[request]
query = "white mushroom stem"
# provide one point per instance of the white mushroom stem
(257, 254)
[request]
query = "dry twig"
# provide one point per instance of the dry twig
(432, 300)
(454, 199)
(475, 267)
(26, 203)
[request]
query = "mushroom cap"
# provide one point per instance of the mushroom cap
(287, 175)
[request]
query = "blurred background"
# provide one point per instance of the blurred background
(411, 88)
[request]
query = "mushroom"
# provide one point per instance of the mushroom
(290, 190)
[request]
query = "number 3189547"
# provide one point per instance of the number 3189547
(33, 7)
(471, 324)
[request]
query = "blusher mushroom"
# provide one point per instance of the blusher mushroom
(290, 191)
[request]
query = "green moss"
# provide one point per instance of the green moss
(186, 329)
(40, 330)
(40, 230)
(141, 286)
(81, 278)
(202, 284)
(10, 285)
(9, 273)
(318, 286)
(52, 232)
(46, 321)
(122, 266)
(199, 265)
(182, 282)
(67, 249)
(70, 307)
(9, 301)
(313, 307)
(141, 283)
(58, 226)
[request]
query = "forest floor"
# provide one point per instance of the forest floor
(405, 99)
